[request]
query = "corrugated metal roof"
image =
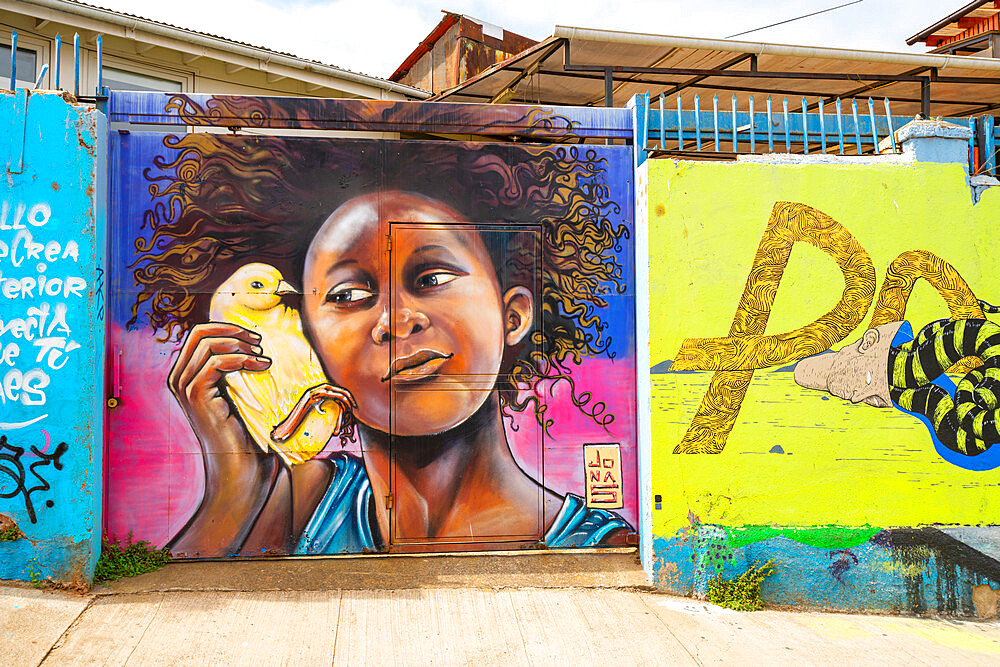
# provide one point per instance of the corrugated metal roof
(449, 19)
(538, 74)
(67, 5)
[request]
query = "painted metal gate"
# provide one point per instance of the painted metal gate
(324, 345)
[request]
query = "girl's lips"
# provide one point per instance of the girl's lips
(420, 364)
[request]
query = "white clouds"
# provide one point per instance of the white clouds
(374, 36)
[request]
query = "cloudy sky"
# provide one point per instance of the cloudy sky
(374, 36)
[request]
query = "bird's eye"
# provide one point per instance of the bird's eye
(435, 279)
(349, 295)
(257, 284)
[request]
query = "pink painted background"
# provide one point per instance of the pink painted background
(153, 465)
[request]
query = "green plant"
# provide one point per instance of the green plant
(9, 533)
(127, 560)
(35, 576)
(743, 592)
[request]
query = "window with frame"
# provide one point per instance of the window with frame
(27, 65)
(120, 79)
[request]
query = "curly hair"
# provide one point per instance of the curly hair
(219, 201)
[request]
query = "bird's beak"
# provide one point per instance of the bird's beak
(285, 288)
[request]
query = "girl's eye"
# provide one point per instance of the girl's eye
(257, 284)
(435, 279)
(348, 296)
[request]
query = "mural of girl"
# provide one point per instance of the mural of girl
(438, 342)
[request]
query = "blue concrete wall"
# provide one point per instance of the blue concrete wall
(52, 241)
(915, 570)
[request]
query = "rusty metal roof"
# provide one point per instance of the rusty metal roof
(569, 69)
(426, 44)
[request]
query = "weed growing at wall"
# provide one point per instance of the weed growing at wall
(127, 560)
(9, 533)
(33, 570)
(743, 592)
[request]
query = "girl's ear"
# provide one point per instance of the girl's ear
(518, 314)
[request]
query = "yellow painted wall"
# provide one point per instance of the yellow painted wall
(844, 464)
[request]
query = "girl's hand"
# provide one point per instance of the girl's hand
(238, 476)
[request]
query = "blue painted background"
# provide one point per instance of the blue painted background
(52, 226)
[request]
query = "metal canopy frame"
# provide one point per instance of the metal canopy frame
(736, 71)
(609, 71)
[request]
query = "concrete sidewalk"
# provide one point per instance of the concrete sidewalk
(459, 626)
(547, 609)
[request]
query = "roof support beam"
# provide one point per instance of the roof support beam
(511, 88)
(760, 74)
(726, 65)
(746, 89)
(873, 86)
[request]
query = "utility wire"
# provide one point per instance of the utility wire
(804, 16)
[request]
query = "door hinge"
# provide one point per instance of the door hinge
(388, 501)
(388, 242)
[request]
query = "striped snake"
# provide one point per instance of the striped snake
(968, 423)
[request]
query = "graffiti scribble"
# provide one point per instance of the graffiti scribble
(13, 468)
(845, 562)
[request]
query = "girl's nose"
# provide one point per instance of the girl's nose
(407, 321)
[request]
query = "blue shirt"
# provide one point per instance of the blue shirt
(342, 522)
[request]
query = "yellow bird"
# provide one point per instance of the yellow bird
(295, 381)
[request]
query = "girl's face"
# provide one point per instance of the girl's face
(422, 327)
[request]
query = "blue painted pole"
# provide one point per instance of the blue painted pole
(735, 150)
(753, 130)
(58, 61)
(76, 63)
(871, 116)
(680, 124)
(888, 118)
(663, 124)
(13, 59)
(972, 145)
(100, 65)
(788, 137)
(715, 116)
(697, 123)
(770, 127)
(990, 159)
(840, 127)
(805, 127)
(857, 125)
(41, 75)
(646, 107)
(822, 127)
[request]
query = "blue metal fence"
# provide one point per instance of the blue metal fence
(57, 68)
(798, 126)
(717, 128)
